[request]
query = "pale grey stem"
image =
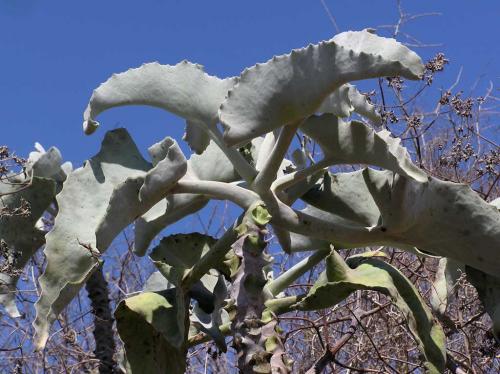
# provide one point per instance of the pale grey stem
(315, 227)
(267, 175)
(296, 271)
(289, 180)
(217, 190)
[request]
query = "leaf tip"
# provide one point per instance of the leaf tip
(90, 126)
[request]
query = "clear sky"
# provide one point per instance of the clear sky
(54, 53)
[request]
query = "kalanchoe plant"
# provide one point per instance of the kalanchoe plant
(209, 288)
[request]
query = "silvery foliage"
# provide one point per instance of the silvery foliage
(260, 112)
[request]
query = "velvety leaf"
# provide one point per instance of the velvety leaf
(184, 89)
(292, 87)
(339, 280)
(356, 143)
(147, 325)
(71, 250)
(442, 218)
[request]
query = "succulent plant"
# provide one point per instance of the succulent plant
(227, 280)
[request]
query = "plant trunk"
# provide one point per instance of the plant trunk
(257, 342)
(98, 292)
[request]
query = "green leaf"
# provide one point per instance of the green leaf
(184, 89)
(356, 143)
(339, 280)
(147, 324)
(291, 87)
(177, 254)
(18, 232)
(442, 218)
(71, 250)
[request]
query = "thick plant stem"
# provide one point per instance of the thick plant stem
(258, 344)
(98, 292)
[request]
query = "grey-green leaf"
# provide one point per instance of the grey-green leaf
(339, 280)
(71, 248)
(356, 143)
(184, 89)
(147, 324)
(442, 218)
(292, 87)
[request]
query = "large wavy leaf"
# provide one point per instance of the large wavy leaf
(147, 324)
(184, 89)
(356, 143)
(443, 218)
(292, 87)
(339, 280)
(71, 245)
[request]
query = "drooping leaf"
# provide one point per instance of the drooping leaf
(184, 89)
(71, 250)
(339, 280)
(442, 218)
(292, 87)
(21, 206)
(147, 325)
(356, 143)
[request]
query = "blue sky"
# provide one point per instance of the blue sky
(54, 53)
